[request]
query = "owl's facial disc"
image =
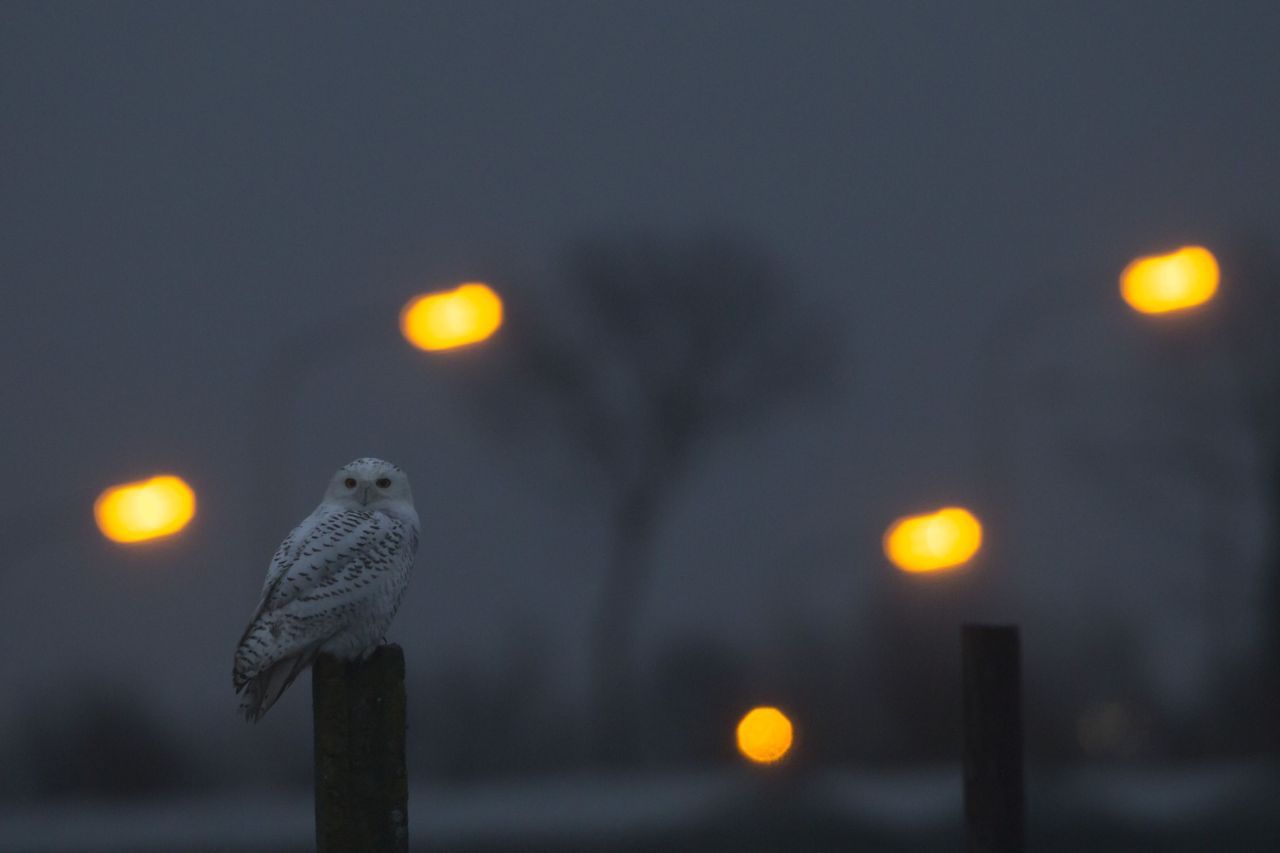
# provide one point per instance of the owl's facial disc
(369, 483)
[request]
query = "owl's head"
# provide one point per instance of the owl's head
(369, 484)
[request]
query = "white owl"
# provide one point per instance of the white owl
(333, 585)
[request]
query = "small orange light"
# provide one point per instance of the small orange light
(933, 542)
(1174, 282)
(465, 315)
(764, 735)
(147, 509)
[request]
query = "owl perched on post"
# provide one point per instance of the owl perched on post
(334, 583)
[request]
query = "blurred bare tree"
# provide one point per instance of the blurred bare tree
(648, 348)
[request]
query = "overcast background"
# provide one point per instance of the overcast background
(189, 191)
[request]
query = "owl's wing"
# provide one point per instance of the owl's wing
(287, 553)
(316, 551)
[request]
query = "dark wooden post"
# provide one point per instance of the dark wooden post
(362, 789)
(994, 803)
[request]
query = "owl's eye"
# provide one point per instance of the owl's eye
(383, 482)
(350, 482)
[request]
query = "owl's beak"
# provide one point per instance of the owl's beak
(364, 497)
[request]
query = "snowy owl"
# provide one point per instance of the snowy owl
(334, 583)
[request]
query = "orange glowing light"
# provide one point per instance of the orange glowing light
(1174, 282)
(147, 509)
(764, 735)
(933, 542)
(465, 315)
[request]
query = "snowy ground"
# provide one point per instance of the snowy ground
(1222, 807)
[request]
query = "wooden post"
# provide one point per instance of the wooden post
(994, 803)
(362, 789)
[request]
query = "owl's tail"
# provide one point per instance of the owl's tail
(261, 691)
(265, 667)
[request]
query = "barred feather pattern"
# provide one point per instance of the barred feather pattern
(333, 586)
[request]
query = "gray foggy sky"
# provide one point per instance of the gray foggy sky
(183, 186)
